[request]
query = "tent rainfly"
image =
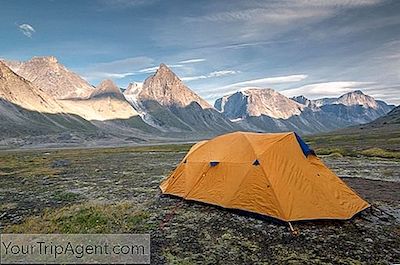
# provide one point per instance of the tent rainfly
(277, 175)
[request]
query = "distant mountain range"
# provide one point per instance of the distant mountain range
(388, 123)
(393, 117)
(267, 110)
(42, 97)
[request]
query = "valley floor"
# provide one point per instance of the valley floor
(115, 190)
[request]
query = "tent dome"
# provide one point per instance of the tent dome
(277, 175)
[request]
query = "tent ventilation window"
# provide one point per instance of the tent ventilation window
(213, 163)
(256, 162)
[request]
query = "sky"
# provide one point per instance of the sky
(314, 48)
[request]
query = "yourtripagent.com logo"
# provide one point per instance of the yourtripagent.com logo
(75, 248)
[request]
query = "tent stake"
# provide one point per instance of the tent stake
(295, 232)
(291, 227)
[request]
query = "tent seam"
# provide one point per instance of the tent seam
(265, 174)
(273, 192)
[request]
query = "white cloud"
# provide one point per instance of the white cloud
(126, 3)
(272, 15)
(258, 21)
(122, 68)
(326, 89)
(252, 44)
(104, 75)
(210, 75)
(27, 30)
(148, 69)
(222, 73)
(390, 94)
(335, 3)
(285, 11)
(197, 60)
(267, 81)
(124, 65)
(193, 78)
(116, 69)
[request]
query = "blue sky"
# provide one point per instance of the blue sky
(312, 47)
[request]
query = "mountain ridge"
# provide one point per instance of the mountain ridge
(20, 91)
(50, 75)
(28, 110)
(107, 88)
(257, 102)
(278, 113)
(166, 103)
(168, 89)
(163, 106)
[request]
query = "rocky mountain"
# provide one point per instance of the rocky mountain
(106, 102)
(303, 100)
(354, 98)
(166, 103)
(52, 77)
(321, 101)
(46, 98)
(29, 116)
(133, 89)
(107, 88)
(256, 102)
(131, 95)
(382, 133)
(19, 91)
(355, 106)
(54, 83)
(268, 110)
(391, 119)
(357, 97)
(168, 90)
(26, 109)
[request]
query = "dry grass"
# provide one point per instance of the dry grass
(90, 218)
(378, 152)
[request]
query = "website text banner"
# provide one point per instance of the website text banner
(75, 248)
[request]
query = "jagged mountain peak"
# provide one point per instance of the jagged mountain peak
(265, 91)
(359, 92)
(164, 72)
(44, 59)
(4, 69)
(167, 89)
(133, 88)
(164, 67)
(258, 102)
(19, 91)
(304, 101)
(166, 103)
(357, 97)
(107, 88)
(300, 99)
(107, 83)
(45, 63)
(52, 77)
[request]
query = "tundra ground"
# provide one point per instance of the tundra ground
(115, 190)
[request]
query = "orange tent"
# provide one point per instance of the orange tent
(271, 174)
